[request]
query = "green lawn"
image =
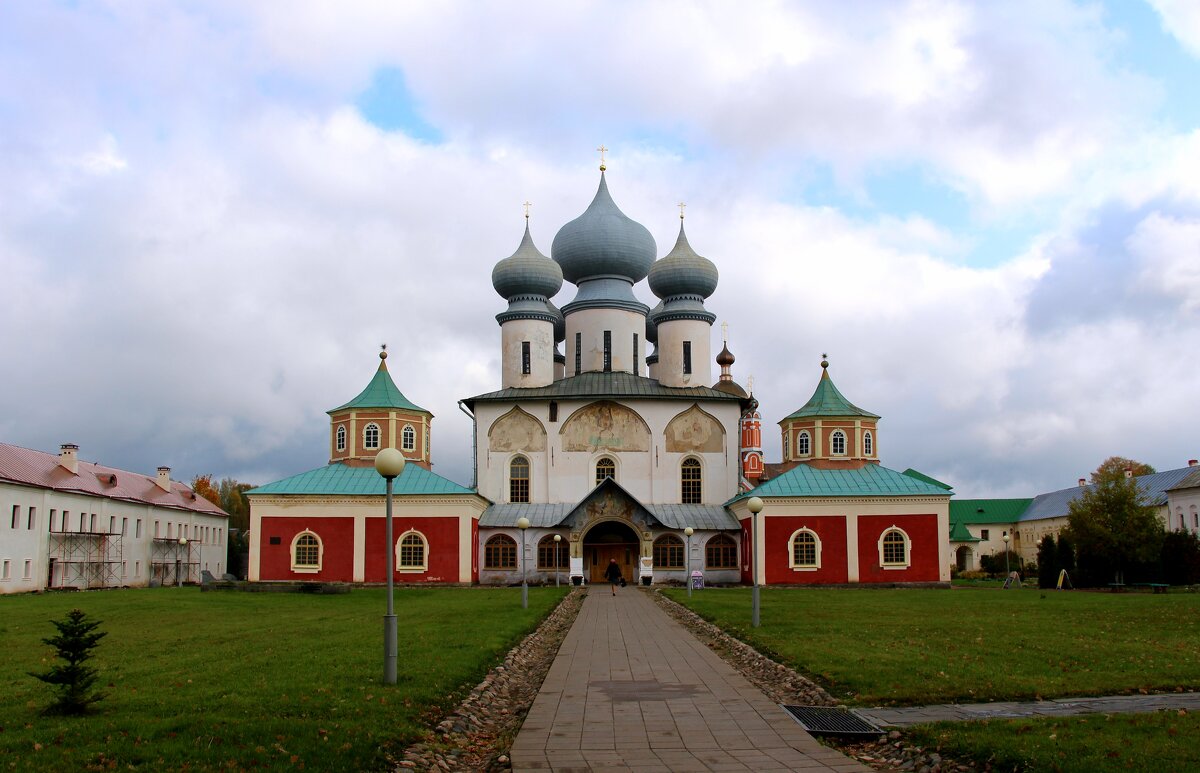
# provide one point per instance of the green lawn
(1165, 741)
(247, 680)
(882, 647)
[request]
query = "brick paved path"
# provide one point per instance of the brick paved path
(1113, 704)
(632, 690)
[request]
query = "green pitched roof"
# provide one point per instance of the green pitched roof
(380, 393)
(868, 481)
(602, 385)
(339, 478)
(987, 510)
(959, 533)
(910, 472)
(828, 401)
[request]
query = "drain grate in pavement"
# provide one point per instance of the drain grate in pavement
(821, 720)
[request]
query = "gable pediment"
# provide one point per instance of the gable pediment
(610, 502)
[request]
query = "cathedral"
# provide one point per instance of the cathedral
(607, 440)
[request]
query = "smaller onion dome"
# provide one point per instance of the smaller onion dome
(527, 272)
(560, 323)
(652, 323)
(725, 358)
(682, 272)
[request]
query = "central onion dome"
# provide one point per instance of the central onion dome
(683, 272)
(603, 242)
(527, 272)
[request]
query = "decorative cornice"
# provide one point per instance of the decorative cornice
(598, 303)
(666, 315)
(509, 316)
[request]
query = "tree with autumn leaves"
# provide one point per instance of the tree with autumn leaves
(229, 495)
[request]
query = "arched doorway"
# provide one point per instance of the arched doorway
(964, 558)
(606, 541)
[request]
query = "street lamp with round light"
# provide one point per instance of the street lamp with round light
(389, 463)
(689, 531)
(756, 506)
(523, 524)
(1006, 570)
(557, 563)
(179, 564)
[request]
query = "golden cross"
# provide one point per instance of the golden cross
(383, 346)
(750, 383)
(602, 150)
(681, 206)
(725, 332)
(527, 205)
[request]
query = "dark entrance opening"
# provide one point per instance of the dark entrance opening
(607, 541)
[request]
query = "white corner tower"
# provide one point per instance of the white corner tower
(531, 325)
(683, 280)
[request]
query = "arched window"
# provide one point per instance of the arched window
(805, 550)
(691, 489)
(804, 444)
(371, 436)
(837, 442)
(720, 552)
(412, 552)
(787, 437)
(551, 554)
(341, 438)
(500, 552)
(408, 438)
(868, 444)
(893, 549)
(307, 552)
(605, 468)
(518, 479)
(668, 552)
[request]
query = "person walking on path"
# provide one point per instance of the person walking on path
(613, 575)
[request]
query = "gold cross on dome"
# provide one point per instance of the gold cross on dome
(681, 206)
(750, 383)
(725, 332)
(602, 150)
(527, 206)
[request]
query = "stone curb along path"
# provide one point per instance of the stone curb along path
(477, 736)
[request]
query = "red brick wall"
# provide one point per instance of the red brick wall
(440, 533)
(922, 532)
(830, 529)
(337, 538)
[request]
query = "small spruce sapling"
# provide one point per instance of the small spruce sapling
(73, 682)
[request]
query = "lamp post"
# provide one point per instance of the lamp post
(389, 463)
(756, 505)
(179, 562)
(557, 563)
(1006, 570)
(689, 531)
(523, 524)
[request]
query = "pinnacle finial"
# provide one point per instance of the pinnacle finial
(602, 150)
(725, 333)
(681, 206)
(527, 205)
(750, 384)
(824, 360)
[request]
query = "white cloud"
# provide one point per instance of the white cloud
(1181, 18)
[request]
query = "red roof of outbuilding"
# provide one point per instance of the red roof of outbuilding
(40, 469)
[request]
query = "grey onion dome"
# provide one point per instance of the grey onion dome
(560, 323)
(527, 272)
(603, 241)
(652, 323)
(683, 272)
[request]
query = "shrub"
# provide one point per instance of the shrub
(1047, 554)
(1181, 558)
(76, 639)
(994, 564)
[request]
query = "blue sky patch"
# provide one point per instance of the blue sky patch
(388, 104)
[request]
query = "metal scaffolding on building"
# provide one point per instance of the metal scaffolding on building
(171, 562)
(86, 559)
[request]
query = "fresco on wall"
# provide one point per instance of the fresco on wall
(695, 431)
(605, 425)
(516, 431)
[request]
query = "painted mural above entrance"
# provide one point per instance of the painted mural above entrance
(695, 431)
(605, 425)
(516, 431)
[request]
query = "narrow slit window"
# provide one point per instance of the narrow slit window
(607, 351)
(578, 353)
(635, 353)
(687, 358)
(526, 366)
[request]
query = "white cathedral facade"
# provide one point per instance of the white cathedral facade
(607, 449)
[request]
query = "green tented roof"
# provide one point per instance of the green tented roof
(868, 481)
(828, 401)
(987, 510)
(339, 478)
(381, 393)
(959, 533)
(910, 472)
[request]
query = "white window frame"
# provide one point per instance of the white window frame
(596, 467)
(791, 547)
(894, 529)
(804, 443)
(833, 436)
(408, 438)
(868, 443)
(378, 437)
(703, 476)
(424, 565)
(340, 438)
(307, 568)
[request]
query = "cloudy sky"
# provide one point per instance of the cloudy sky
(988, 214)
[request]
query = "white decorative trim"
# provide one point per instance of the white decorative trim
(306, 568)
(791, 548)
(404, 446)
(907, 548)
(424, 567)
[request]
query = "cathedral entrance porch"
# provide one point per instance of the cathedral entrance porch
(606, 541)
